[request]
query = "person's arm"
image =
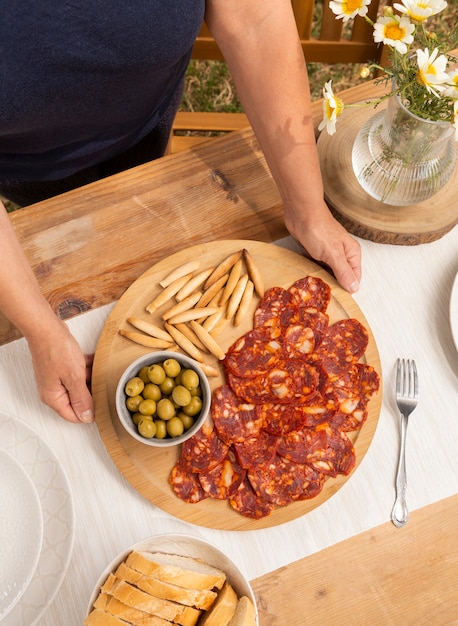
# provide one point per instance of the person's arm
(260, 43)
(60, 367)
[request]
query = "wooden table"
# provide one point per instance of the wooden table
(344, 563)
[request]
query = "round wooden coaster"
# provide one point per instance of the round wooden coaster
(366, 217)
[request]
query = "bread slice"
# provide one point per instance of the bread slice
(199, 598)
(223, 609)
(129, 614)
(245, 613)
(98, 617)
(183, 571)
(135, 598)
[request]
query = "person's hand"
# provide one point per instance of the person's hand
(62, 373)
(327, 241)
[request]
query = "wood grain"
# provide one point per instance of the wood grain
(148, 470)
(384, 576)
(366, 217)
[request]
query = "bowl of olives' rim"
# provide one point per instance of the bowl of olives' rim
(163, 398)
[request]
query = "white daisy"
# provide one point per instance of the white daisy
(420, 10)
(347, 9)
(332, 109)
(431, 70)
(395, 32)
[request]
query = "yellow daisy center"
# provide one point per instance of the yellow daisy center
(353, 5)
(393, 32)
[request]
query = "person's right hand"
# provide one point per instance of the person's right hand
(62, 373)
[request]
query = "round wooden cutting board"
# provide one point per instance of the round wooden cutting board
(366, 217)
(148, 469)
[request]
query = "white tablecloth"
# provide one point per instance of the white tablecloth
(405, 295)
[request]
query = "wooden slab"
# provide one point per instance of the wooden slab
(366, 217)
(385, 576)
(148, 469)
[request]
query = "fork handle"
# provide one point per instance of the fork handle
(400, 513)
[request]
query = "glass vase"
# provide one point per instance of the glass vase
(401, 159)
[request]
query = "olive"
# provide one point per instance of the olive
(143, 374)
(161, 429)
(156, 373)
(196, 391)
(136, 417)
(134, 386)
(152, 391)
(194, 407)
(167, 386)
(132, 403)
(165, 409)
(187, 420)
(147, 428)
(175, 427)
(171, 367)
(147, 407)
(190, 379)
(181, 395)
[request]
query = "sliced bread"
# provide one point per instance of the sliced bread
(135, 598)
(182, 571)
(244, 614)
(98, 617)
(223, 608)
(199, 598)
(133, 616)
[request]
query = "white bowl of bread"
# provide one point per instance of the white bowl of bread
(172, 579)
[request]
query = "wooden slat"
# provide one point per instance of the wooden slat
(304, 17)
(217, 121)
(385, 576)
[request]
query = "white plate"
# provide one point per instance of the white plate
(454, 311)
(51, 484)
(184, 545)
(21, 531)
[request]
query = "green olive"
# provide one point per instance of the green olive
(194, 407)
(133, 402)
(187, 420)
(167, 386)
(152, 391)
(196, 391)
(143, 374)
(147, 428)
(175, 427)
(136, 417)
(134, 386)
(181, 395)
(147, 407)
(156, 373)
(172, 367)
(190, 379)
(161, 429)
(165, 409)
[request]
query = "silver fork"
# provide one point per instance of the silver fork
(406, 399)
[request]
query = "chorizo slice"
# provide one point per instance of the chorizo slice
(186, 484)
(223, 480)
(246, 502)
(343, 345)
(276, 310)
(203, 451)
(257, 450)
(253, 354)
(311, 291)
(234, 419)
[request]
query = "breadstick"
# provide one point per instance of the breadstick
(224, 267)
(187, 268)
(146, 340)
(236, 296)
(184, 305)
(254, 273)
(207, 340)
(168, 293)
(212, 320)
(150, 329)
(193, 314)
(244, 303)
(184, 342)
(219, 326)
(193, 284)
(191, 335)
(231, 282)
(211, 292)
(208, 370)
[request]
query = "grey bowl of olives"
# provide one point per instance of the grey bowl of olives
(163, 398)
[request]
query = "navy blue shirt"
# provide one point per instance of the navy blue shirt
(84, 80)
